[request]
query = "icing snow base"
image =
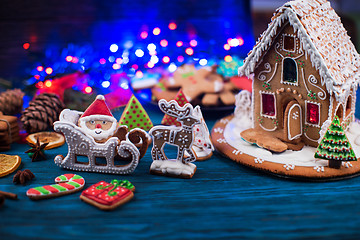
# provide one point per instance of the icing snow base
(304, 157)
(173, 167)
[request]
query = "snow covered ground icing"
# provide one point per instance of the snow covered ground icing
(304, 157)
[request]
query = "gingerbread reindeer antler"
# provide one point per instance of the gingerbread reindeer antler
(172, 109)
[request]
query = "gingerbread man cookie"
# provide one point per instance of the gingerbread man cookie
(195, 82)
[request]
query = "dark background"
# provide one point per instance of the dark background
(48, 23)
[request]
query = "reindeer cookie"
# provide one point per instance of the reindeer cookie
(182, 137)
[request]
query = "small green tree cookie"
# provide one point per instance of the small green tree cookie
(335, 146)
(135, 116)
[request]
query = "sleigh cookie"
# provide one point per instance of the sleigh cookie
(91, 134)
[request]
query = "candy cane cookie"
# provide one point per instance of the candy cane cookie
(65, 184)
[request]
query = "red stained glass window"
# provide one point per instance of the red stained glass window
(312, 113)
(268, 104)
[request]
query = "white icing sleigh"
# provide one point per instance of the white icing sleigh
(79, 144)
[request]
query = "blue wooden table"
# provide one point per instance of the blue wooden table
(222, 200)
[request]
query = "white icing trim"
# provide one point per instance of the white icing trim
(306, 114)
(276, 64)
(288, 122)
(173, 167)
(261, 75)
(311, 139)
(313, 81)
(282, 73)
(283, 44)
(343, 109)
(266, 40)
(261, 106)
(268, 129)
(253, 102)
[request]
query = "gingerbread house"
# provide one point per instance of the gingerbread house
(305, 72)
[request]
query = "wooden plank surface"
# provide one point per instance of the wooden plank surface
(222, 200)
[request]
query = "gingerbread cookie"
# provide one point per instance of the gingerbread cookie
(65, 184)
(135, 116)
(202, 147)
(299, 79)
(108, 196)
(9, 131)
(95, 140)
(181, 137)
(170, 120)
(137, 136)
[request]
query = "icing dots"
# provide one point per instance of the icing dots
(135, 116)
(181, 100)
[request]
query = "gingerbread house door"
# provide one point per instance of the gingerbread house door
(293, 121)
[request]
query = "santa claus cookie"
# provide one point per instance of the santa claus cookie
(98, 121)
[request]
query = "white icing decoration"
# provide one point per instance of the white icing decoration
(319, 168)
(243, 112)
(237, 152)
(218, 130)
(347, 164)
(323, 129)
(337, 61)
(313, 81)
(289, 166)
(258, 160)
(268, 129)
(295, 42)
(311, 139)
(304, 157)
(202, 146)
(182, 137)
(295, 116)
(173, 167)
(261, 75)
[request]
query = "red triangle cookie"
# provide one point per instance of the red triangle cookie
(168, 120)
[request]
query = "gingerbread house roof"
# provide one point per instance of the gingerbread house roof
(324, 39)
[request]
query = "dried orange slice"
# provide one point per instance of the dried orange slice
(8, 164)
(54, 139)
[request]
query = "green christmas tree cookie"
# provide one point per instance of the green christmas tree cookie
(135, 116)
(181, 100)
(335, 146)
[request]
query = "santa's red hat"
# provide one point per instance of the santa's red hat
(98, 110)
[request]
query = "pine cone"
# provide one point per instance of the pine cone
(42, 112)
(11, 102)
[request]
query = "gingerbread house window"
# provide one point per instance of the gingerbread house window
(289, 43)
(268, 104)
(289, 71)
(312, 113)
